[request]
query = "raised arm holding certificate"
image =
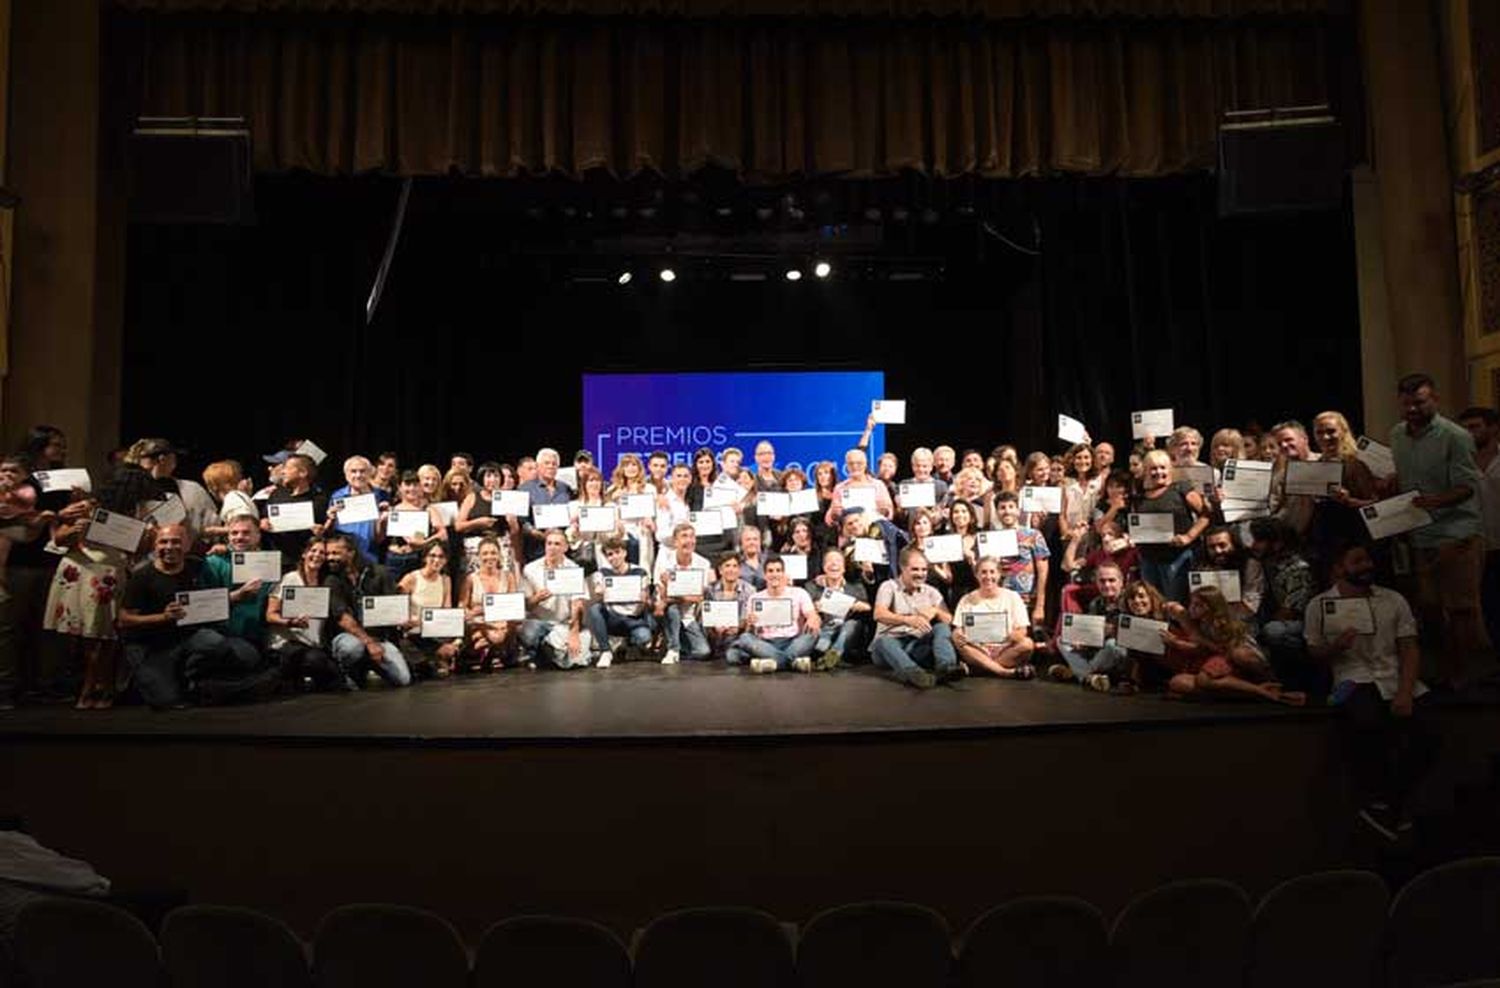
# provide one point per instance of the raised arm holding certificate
(550, 516)
(721, 613)
(917, 494)
(312, 451)
(386, 611)
(1226, 580)
(888, 412)
(1314, 478)
(773, 612)
(169, 512)
(987, 628)
(685, 583)
(1152, 528)
(442, 622)
(943, 548)
(1341, 614)
(1044, 499)
(1071, 431)
(500, 607)
(1246, 480)
(805, 501)
(1156, 423)
(1394, 515)
(998, 543)
(408, 524)
(115, 530)
(357, 508)
(626, 589)
(204, 606)
(635, 507)
(63, 480)
(1141, 634)
(291, 516)
(510, 504)
(1086, 630)
(305, 602)
(565, 581)
(262, 566)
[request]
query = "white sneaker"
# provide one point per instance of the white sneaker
(605, 658)
(762, 665)
(1098, 681)
(670, 659)
(802, 664)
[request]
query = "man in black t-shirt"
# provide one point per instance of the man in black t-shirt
(155, 645)
(298, 483)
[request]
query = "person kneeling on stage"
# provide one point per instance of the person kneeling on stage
(682, 613)
(552, 619)
(1212, 654)
(1095, 668)
(843, 619)
(300, 644)
(913, 628)
(355, 648)
(489, 641)
(221, 672)
(728, 586)
(1008, 657)
(781, 624)
(633, 620)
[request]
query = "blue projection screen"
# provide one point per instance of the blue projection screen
(807, 415)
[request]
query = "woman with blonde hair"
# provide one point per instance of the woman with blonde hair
(1211, 653)
(1226, 445)
(1337, 520)
(1165, 565)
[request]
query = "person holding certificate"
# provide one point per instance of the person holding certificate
(782, 625)
(858, 489)
(704, 475)
(997, 639)
(545, 488)
(967, 489)
(614, 610)
(299, 476)
(751, 561)
(728, 588)
(939, 575)
(366, 531)
(799, 541)
(159, 458)
(1077, 492)
(1222, 551)
(1212, 655)
(387, 469)
(913, 630)
(299, 643)
(430, 587)
(225, 480)
(1336, 520)
(1108, 666)
(921, 473)
(1165, 562)
(1289, 584)
(962, 522)
(672, 506)
(845, 608)
(1296, 509)
(1367, 636)
(583, 546)
(629, 479)
(767, 477)
(149, 613)
(418, 526)
(244, 634)
(678, 597)
(825, 478)
(549, 612)
(353, 582)
(1184, 445)
(1026, 572)
(475, 517)
(489, 641)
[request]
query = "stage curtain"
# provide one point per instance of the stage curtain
(767, 98)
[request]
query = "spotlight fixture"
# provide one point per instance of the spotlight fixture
(624, 278)
(668, 275)
(793, 274)
(822, 269)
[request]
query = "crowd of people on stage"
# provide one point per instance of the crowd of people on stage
(1191, 568)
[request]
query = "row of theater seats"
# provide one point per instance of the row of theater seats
(1338, 928)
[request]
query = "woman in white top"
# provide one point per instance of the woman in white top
(1078, 492)
(299, 643)
(225, 481)
(431, 586)
(489, 641)
(1008, 659)
(671, 505)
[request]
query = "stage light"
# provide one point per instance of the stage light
(667, 274)
(822, 269)
(624, 278)
(793, 274)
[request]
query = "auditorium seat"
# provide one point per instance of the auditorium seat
(875, 945)
(722, 946)
(550, 952)
(1445, 925)
(1185, 934)
(67, 943)
(1320, 929)
(373, 945)
(1054, 941)
(231, 947)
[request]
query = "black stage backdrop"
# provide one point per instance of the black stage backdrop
(238, 337)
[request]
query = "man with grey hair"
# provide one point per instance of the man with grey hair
(359, 478)
(544, 489)
(943, 461)
(921, 472)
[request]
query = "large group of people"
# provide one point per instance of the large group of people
(1226, 569)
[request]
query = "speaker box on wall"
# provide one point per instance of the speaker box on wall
(1279, 160)
(190, 171)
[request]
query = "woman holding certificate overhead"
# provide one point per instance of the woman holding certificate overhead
(1164, 522)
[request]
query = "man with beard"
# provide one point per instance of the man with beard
(355, 648)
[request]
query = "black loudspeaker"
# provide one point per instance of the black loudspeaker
(1280, 160)
(185, 170)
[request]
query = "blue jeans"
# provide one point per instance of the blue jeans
(1110, 658)
(603, 621)
(905, 654)
(782, 650)
(1169, 575)
(839, 636)
(349, 652)
(686, 637)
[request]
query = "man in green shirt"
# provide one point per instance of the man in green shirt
(1435, 457)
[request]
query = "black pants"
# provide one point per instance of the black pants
(1388, 756)
(308, 661)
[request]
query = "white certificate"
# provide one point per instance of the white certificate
(943, 548)
(773, 504)
(805, 501)
(291, 516)
(720, 613)
(569, 476)
(1141, 634)
(168, 512)
(1198, 476)
(500, 607)
(722, 497)
(1314, 478)
(634, 507)
(1341, 614)
(565, 581)
(1155, 422)
(356, 508)
(63, 480)
(1152, 528)
(706, 523)
(407, 524)
(835, 603)
(859, 497)
(442, 622)
(1047, 499)
(1070, 430)
(510, 504)
(311, 450)
(685, 583)
(1246, 480)
(772, 612)
(597, 518)
(1244, 510)
(869, 551)
(795, 565)
(204, 606)
(262, 566)
(1377, 456)
(623, 589)
(986, 628)
(888, 412)
(1086, 630)
(386, 611)
(115, 530)
(999, 543)
(447, 511)
(1394, 515)
(917, 494)
(728, 518)
(550, 516)
(1226, 580)
(304, 602)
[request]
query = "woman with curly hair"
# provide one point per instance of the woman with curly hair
(1212, 654)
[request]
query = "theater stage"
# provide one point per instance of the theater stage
(617, 794)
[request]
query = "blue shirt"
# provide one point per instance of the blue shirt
(1437, 459)
(363, 531)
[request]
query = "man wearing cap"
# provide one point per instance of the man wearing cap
(298, 483)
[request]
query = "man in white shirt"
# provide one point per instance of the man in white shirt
(682, 614)
(913, 628)
(546, 611)
(776, 641)
(1368, 637)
